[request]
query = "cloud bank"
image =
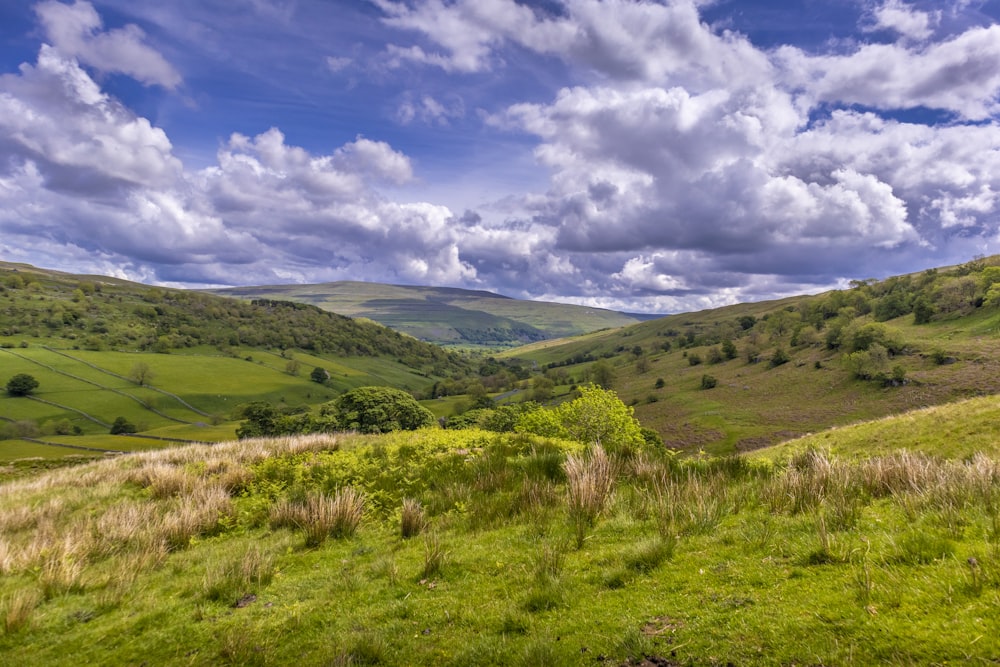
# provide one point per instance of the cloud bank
(687, 167)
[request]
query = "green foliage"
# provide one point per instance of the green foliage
(597, 416)
(378, 410)
(708, 382)
(871, 363)
(122, 426)
(21, 384)
(779, 357)
(320, 375)
(602, 374)
(130, 316)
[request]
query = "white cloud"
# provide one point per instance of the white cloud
(959, 75)
(904, 19)
(76, 30)
(687, 168)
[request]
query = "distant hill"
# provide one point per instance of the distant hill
(746, 376)
(446, 316)
(84, 338)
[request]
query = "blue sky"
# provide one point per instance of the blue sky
(637, 155)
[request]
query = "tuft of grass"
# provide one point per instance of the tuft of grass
(321, 516)
(589, 480)
(19, 609)
(650, 554)
(234, 578)
(412, 518)
(434, 556)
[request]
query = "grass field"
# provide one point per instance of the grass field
(191, 396)
(478, 549)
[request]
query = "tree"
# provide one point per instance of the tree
(21, 384)
(602, 374)
(141, 374)
(122, 426)
(320, 375)
(292, 367)
(378, 410)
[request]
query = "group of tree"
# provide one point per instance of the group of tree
(594, 416)
(363, 410)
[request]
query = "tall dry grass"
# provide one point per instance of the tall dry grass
(589, 481)
(320, 516)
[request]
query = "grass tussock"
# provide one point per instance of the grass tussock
(589, 482)
(320, 516)
(239, 576)
(19, 609)
(412, 518)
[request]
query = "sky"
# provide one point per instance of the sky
(643, 156)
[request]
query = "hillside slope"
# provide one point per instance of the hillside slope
(467, 548)
(749, 375)
(447, 316)
(175, 363)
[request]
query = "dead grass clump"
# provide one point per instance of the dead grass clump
(412, 518)
(63, 565)
(590, 478)
(193, 515)
(321, 516)
(124, 527)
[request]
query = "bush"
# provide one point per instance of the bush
(708, 382)
(21, 384)
(123, 426)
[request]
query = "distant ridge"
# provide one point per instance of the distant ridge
(447, 315)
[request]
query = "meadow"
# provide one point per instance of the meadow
(469, 547)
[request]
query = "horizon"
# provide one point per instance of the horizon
(635, 156)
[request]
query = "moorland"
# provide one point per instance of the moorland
(807, 481)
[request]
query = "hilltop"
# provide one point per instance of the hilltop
(446, 316)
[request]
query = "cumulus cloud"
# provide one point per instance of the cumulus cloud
(91, 183)
(76, 30)
(904, 19)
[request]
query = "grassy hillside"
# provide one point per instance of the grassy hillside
(446, 316)
(797, 365)
(468, 548)
(956, 430)
(85, 339)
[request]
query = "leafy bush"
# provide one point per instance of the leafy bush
(21, 384)
(598, 416)
(122, 426)
(708, 382)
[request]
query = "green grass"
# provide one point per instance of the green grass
(697, 562)
(955, 430)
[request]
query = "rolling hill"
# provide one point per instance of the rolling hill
(446, 316)
(86, 338)
(781, 369)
